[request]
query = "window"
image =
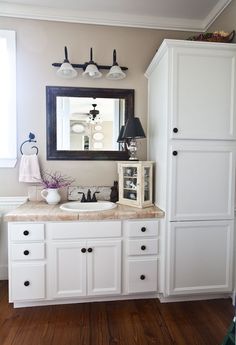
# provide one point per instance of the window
(8, 151)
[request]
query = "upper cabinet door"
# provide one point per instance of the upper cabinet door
(202, 85)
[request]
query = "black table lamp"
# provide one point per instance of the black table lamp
(133, 130)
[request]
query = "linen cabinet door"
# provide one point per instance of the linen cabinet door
(202, 182)
(200, 257)
(202, 94)
(67, 269)
(104, 267)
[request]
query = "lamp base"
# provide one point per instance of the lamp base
(132, 147)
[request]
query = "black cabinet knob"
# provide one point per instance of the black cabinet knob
(175, 130)
(143, 229)
(142, 277)
(26, 232)
(26, 252)
(90, 250)
(175, 153)
(26, 283)
(83, 250)
(143, 247)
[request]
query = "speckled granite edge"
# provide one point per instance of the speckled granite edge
(40, 211)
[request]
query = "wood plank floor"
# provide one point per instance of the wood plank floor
(136, 322)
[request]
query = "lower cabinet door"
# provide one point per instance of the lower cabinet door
(104, 267)
(200, 257)
(141, 275)
(67, 271)
(27, 281)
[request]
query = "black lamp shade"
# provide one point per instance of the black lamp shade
(120, 138)
(133, 129)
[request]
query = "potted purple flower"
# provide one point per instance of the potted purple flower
(52, 181)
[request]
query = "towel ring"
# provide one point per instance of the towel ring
(30, 140)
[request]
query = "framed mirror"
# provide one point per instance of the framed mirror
(84, 123)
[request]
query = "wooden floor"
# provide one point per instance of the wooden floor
(137, 322)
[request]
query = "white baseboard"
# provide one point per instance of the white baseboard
(234, 298)
(192, 298)
(3, 272)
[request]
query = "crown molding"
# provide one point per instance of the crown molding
(112, 19)
(215, 12)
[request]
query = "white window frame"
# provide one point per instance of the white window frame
(10, 140)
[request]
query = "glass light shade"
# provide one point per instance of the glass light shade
(92, 71)
(115, 73)
(66, 71)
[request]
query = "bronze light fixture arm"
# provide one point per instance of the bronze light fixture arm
(84, 65)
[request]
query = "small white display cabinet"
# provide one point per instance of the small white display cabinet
(135, 183)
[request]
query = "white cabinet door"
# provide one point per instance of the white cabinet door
(202, 182)
(67, 269)
(200, 257)
(104, 267)
(202, 93)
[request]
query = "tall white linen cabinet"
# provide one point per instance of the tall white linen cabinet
(192, 139)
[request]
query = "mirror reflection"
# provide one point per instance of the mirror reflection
(84, 123)
(89, 123)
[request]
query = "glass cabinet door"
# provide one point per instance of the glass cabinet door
(146, 185)
(130, 175)
(135, 183)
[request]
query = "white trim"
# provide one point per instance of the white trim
(109, 18)
(8, 163)
(187, 298)
(12, 200)
(215, 12)
(8, 159)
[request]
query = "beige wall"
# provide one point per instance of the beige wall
(39, 43)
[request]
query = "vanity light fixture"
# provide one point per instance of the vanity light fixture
(91, 68)
(115, 72)
(66, 70)
(133, 130)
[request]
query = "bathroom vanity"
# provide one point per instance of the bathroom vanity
(60, 257)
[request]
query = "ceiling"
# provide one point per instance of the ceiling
(190, 15)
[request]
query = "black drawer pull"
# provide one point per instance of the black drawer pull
(26, 232)
(90, 250)
(26, 252)
(26, 283)
(143, 247)
(142, 277)
(175, 130)
(143, 229)
(83, 250)
(174, 153)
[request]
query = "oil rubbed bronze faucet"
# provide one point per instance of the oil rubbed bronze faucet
(89, 198)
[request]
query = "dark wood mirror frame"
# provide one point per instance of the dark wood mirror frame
(52, 92)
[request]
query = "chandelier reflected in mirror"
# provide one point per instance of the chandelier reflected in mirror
(94, 115)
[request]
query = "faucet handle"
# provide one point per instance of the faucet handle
(94, 199)
(83, 199)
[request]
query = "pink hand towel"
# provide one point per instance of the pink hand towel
(29, 169)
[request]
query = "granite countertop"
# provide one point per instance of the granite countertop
(40, 211)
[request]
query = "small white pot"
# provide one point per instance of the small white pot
(51, 195)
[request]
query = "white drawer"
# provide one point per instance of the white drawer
(27, 251)
(27, 281)
(142, 228)
(64, 230)
(141, 276)
(142, 247)
(26, 232)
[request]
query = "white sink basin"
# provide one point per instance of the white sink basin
(74, 206)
